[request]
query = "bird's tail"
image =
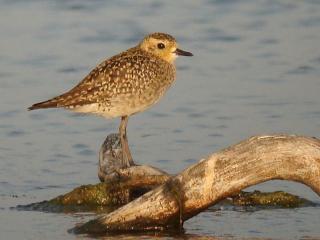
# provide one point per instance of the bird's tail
(52, 103)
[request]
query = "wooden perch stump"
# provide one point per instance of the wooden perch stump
(214, 178)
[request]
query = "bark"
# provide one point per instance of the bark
(214, 178)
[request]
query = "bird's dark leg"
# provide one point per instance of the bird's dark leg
(126, 154)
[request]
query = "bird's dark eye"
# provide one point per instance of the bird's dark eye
(161, 46)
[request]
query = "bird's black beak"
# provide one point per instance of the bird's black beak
(180, 52)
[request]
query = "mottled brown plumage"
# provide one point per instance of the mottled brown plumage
(126, 83)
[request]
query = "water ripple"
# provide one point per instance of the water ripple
(16, 133)
(304, 69)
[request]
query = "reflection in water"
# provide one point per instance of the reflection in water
(163, 236)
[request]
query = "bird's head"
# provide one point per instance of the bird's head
(162, 45)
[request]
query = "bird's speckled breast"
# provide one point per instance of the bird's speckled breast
(143, 97)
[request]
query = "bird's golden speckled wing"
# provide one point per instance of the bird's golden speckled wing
(130, 72)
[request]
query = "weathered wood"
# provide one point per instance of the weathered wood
(222, 174)
(112, 167)
(113, 170)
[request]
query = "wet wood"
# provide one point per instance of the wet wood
(112, 167)
(214, 178)
(113, 170)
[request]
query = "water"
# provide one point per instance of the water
(255, 70)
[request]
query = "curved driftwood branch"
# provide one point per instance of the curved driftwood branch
(222, 174)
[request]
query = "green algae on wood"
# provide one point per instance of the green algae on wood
(97, 197)
(100, 194)
(101, 197)
(270, 199)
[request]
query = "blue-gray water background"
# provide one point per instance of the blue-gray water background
(256, 70)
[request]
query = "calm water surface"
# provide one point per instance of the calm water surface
(256, 70)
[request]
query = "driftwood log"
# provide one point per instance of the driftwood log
(214, 178)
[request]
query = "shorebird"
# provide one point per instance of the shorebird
(124, 84)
